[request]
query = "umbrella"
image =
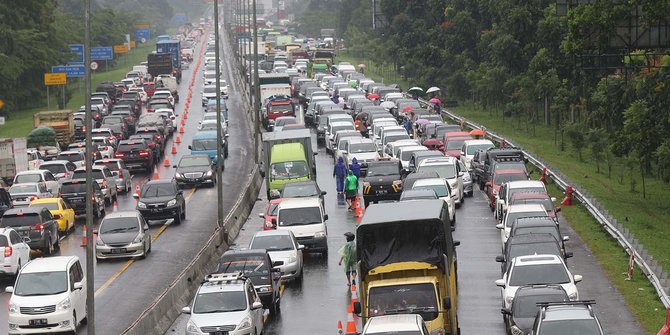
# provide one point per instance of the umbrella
(362, 116)
(387, 104)
(477, 132)
(432, 89)
(362, 66)
(407, 109)
(373, 96)
(435, 101)
(422, 121)
(416, 88)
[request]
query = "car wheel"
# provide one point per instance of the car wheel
(102, 212)
(225, 152)
(366, 202)
(74, 323)
(116, 197)
(149, 250)
(108, 201)
(148, 168)
(49, 249)
(18, 269)
(177, 219)
(183, 213)
(57, 244)
(453, 222)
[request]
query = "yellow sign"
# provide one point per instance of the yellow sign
(2, 103)
(121, 49)
(132, 44)
(55, 79)
(142, 26)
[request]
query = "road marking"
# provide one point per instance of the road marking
(131, 261)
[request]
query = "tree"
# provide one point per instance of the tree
(577, 137)
(597, 139)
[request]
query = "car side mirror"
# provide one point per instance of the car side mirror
(325, 217)
(566, 238)
(505, 311)
(446, 303)
(256, 305)
(500, 259)
(189, 148)
(500, 226)
(569, 254)
(186, 310)
(136, 196)
(456, 243)
(57, 217)
(174, 166)
(324, 192)
(500, 283)
(9, 289)
(577, 278)
(78, 285)
(261, 215)
(301, 247)
(277, 263)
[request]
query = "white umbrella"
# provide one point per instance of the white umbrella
(432, 89)
(387, 104)
(416, 88)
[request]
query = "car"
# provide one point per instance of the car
(453, 142)
(537, 269)
(150, 139)
(74, 193)
(442, 191)
(105, 179)
(117, 124)
(38, 176)
(195, 170)
(449, 169)
(531, 244)
(382, 181)
(15, 254)
(106, 132)
(225, 299)
(537, 197)
(470, 147)
(61, 169)
(396, 324)
(405, 153)
(282, 121)
(468, 188)
(333, 128)
(520, 317)
(507, 191)
(500, 177)
(170, 116)
(363, 149)
(58, 307)
(136, 154)
(515, 212)
(568, 317)
(75, 157)
(23, 194)
(270, 214)
(35, 223)
(161, 199)
(121, 173)
(538, 225)
(301, 189)
(122, 234)
(105, 147)
(419, 194)
(306, 218)
(281, 246)
(61, 211)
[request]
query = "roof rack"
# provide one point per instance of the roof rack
(587, 303)
(225, 277)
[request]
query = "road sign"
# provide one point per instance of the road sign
(2, 103)
(133, 45)
(55, 79)
(2, 120)
(102, 53)
(121, 49)
(94, 65)
(142, 34)
(71, 71)
(78, 51)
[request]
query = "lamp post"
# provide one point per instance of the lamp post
(90, 275)
(256, 87)
(219, 133)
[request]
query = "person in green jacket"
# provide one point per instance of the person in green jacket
(348, 257)
(350, 188)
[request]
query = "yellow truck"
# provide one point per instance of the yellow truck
(62, 121)
(407, 263)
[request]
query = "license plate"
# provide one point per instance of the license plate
(118, 251)
(77, 201)
(219, 333)
(38, 322)
(155, 210)
(382, 191)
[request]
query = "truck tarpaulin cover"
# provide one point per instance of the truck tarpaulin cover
(402, 232)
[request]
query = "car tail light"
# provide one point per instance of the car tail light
(119, 155)
(104, 184)
(83, 128)
(8, 251)
(111, 138)
(120, 173)
(105, 148)
(34, 197)
(38, 226)
(144, 153)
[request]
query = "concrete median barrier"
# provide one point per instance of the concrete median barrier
(157, 317)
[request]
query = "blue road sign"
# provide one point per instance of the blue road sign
(78, 51)
(142, 34)
(71, 71)
(180, 18)
(102, 53)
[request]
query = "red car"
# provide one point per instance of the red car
(453, 142)
(500, 177)
(270, 214)
(535, 197)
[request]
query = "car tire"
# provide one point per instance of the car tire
(57, 243)
(48, 250)
(453, 222)
(177, 219)
(103, 212)
(366, 202)
(148, 168)
(149, 250)
(74, 323)
(183, 213)
(225, 151)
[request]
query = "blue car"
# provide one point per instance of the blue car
(204, 142)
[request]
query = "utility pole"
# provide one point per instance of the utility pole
(248, 61)
(219, 121)
(256, 89)
(90, 275)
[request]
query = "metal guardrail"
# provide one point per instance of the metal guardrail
(623, 236)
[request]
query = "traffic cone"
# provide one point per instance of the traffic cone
(183, 122)
(83, 238)
(181, 130)
(185, 113)
(339, 327)
(115, 207)
(174, 150)
(137, 189)
(359, 211)
(351, 325)
(177, 140)
(155, 176)
(167, 162)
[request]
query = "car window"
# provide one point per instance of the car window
(158, 190)
(28, 178)
(4, 242)
(72, 277)
(49, 177)
(272, 243)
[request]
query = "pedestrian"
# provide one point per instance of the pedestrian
(336, 98)
(339, 172)
(348, 256)
(350, 189)
(355, 168)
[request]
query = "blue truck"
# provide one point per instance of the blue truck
(172, 47)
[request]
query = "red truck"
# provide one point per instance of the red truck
(276, 106)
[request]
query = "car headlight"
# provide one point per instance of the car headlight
(320, 234)
(141, 205)
(98, 241)
(138, 239)
(264, 289)
(192, 327)
(208, 174)
(172, 202)
(178, 175)
(516, 331)
(64, 305)
(292, 259)
(13, 308)
(366, 184)
(246, 323)
(573, 295)
(509, 299)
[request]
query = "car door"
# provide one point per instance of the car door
(67, 212)
(256, 314)
(51, 224)
(21, 247)
(78, 296)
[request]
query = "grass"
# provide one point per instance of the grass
(21, 122)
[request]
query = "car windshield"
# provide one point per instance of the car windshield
(440, 190)
(73, 188)
(500, 179)
(539, 274)
(471, 149)
(515, 215)
(407, 154)
(249, 265)
(395, 137)
(526, 306)
(273, 243)
(27, 219)
(41, 283)
(538, 230)
(447, 171)
(299, 216)
(525, 249)
(209, 89)
(565, 327)
(382, 170)
(112, 120)
(288, 170)
(97, 174)
(159, 105)
(71, 157)
(17, 189)
(404, 299)
(119, 225)
(28, 178)
(159, 190)
(52, 206)
(454, 144)
(113, 166)
(54, 168)
(203, 144)
(546, 202)
(301, 190)
(128, 147)
(220, 302)
(194, 161)
(281, 108)
(335, 129)
(362, 147)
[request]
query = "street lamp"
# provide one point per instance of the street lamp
(219, 134)
(90, 275)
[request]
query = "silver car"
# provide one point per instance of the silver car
(123, 234)
(104, 177)
(22, 194)
(281, 246)
(124, 182)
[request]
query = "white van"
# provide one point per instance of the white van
(306, 219)
(57, 307)
(396, 324)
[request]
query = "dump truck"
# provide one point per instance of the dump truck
(159, 63)
(13, 158)
(62, 121)
(288, 157)
(407, 263)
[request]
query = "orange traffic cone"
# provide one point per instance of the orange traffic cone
(177, 140)
(351, 325)
(181, 130)
(137, 189)
(155, 176)
(115, 207)
(167, 162)
(185, 113)
(183, 122)
(339, 327)
(83, 238)
(358, 211)
(174, 150)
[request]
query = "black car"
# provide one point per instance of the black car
(257, 265)
(494, 156)
(155, 132)
(538, 225)
(35, 223)
(520, 317)
(382, 181)
(136, 154)
(195, 170)
(530, 244)
(74, 193)
(128, 117)
(161, 199)
(149, 138)
(5, 201)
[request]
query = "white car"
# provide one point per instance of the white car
(104, 146)
(391, 148)
(163, 94)
(281, 246)
(442, 190)
(54, 308)
(363, 149)
(536, 270)
(470, 147)
(507, 190)
(306, 219)
(225, 304)
(169, 114)
(447, 168)
(405, 153)
(15, 254)
(333, 128)
(38, 176)
(61, 169)
(518, 211)
(23, 194)
(396, 324)
(208, 92)
(209, 77)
